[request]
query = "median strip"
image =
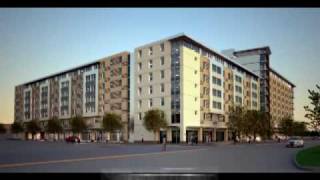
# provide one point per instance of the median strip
(93, 158)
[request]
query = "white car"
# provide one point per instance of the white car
(295, 142)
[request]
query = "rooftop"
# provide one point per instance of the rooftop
(282, 77)
(70, 69)
(258, 50)
(183, 36)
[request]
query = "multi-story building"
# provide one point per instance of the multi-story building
(194, 85)
(276, 92)
(89, 90)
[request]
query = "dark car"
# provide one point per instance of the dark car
(73, 139)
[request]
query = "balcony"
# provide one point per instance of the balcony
(219, 124)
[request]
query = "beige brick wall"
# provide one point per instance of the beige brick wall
(281, 98)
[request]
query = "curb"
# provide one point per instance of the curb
(307, 168)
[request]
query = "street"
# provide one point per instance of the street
(35, 156)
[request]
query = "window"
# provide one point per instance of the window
(254, 86)
(216, 105)
(195, 72)
(162, 87)
(238, 89)
(139, 104)
(140, 66)
(195, 112)
(195, 58)
(216, 81)
(150, 63)
(162, 101)
(150, 90)
(238, 79)
(140, 78)
(140, 53)
(254, 103)
(162, 47)
(139, 91)
(162, 74)
(254, 95)
(150, 102)
(195, 85)
(150, 51)
(195, 99)
(216, 69)
(216, 92)
(238, 99)
(150, 77)
(162, 60)
(140, 116)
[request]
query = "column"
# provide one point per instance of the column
(183, 134)
(226, 135)
(169, 135)
(214, 135)
(200, 139)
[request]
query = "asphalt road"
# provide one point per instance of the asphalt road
(28, 156)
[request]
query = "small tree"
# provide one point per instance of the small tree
(314, 113)
(299, 128)
(78, 124)
(286, 126)
(266, 125)
(154, 120)
(2, 129)
(236, 121)
(33, 127)
(111, 122)
(54, 126)
(17, 127)
(253, 122)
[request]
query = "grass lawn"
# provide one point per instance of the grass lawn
(309, 157)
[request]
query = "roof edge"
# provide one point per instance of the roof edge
(281, 76)
(71, 69)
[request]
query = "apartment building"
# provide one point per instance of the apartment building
(89, 90)
(276, 91)
(194, 85)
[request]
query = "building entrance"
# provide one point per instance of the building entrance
(207, 136)
(192, 134)
(163, 134)
(220, 135)
(175, 136)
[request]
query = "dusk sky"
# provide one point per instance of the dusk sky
(38, 42)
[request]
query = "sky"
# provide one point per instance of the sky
(37, 42)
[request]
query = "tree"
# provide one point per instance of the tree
(154, 120)
(78, 124)
(236, 121)
(111, 122)
(2, 129)
(299, 128)
(54, 126)
(17, 127)
(265, 127)
(313, 113)
(253, 121)
(286, 126)
(33, 127)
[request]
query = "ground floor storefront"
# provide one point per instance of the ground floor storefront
(90, 135)
(193, 134)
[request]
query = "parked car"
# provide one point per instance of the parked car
(73, 139)
(295, 142)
